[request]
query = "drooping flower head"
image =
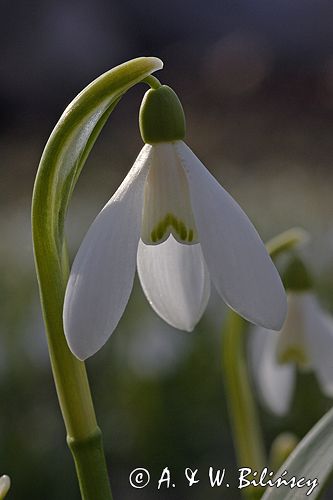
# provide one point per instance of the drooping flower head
(172, 220)
(305, 342)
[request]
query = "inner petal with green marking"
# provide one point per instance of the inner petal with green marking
(294, 354)
(170, 223)
(167, 205)
(292, 345)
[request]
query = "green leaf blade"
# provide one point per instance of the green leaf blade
(312, 458)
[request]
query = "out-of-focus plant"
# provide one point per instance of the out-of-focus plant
(281, 448)
(4, 486)
(247, 433)
(305, 341)
(312, 460)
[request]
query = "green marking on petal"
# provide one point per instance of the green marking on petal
(175, 223)
(153, 236)
(160, 230)
(294, 355)
(170, 221)
(182, 231)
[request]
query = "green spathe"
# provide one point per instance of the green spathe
(161, 116)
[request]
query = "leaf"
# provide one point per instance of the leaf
(312, 458)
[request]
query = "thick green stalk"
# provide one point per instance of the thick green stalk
(90, 465)
(243, 416)
(64, 156)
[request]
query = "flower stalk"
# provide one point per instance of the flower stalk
(248, 439)
(62, 161)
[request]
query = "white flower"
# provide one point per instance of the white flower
(306, 341)
(182, 229)
(4, 486)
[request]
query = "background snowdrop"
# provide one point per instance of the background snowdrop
(305, 343)
(4, 486)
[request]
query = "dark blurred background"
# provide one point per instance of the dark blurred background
(256, 80)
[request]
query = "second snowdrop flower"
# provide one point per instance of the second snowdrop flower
(305, 341)
(182, 230)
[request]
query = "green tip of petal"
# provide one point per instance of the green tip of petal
(161, 117)
(296, 277)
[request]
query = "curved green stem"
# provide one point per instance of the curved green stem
(62, 161)
(152, 81)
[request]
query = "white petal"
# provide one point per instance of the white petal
(167, 206)
(4, 485)
(319, 335)
(292, 344)
(275, 382)
(175, 281)
(102, 275)
(237, 260)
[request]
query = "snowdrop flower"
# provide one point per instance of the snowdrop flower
(305, 342)
(172, 220)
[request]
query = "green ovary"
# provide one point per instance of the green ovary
(178, 225)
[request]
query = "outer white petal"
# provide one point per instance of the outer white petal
(102, 275)
(319, 336)
(237, 260)
(175, 281)
(4, 485)
(275, 382)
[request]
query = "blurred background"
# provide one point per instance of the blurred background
(256, 81)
